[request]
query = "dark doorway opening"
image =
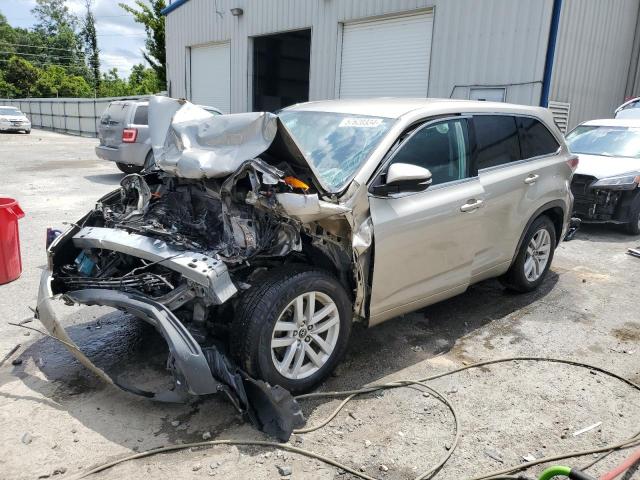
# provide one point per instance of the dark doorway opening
(281, 70)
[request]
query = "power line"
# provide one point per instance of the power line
(32, 46)
(38, 55)
(80, 15)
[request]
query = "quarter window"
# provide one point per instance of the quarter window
(141, 116)
(443, 148)
(497, 140)
(535, 138)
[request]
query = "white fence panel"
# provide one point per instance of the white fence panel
(76, 116)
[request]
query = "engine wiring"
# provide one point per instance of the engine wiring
(419, 384)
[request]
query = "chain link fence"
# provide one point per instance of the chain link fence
(75, 116)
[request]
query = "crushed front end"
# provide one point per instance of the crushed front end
(609, 200)
(177, 249)
(164, 249)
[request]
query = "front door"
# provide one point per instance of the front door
(425, 242)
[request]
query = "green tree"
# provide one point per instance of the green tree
(112, 85)
(22, 75)
(61, 43)
(52, 16)
(91, 44)
(143, 81)
(75, 86)
(151, 17)
(7, 90)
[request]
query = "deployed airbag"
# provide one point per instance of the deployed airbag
(190, 142)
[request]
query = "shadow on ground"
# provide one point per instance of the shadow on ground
(603, 232)
(135, 354)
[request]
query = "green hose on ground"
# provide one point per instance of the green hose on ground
(554, 471)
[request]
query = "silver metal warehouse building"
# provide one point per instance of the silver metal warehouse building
(579, 57)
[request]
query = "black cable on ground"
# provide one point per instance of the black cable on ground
(350, 394)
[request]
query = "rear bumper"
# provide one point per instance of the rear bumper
(129, 153)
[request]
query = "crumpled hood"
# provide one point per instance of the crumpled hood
(602, 167)
(190, 142)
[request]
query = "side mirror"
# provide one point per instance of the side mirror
(404, 177)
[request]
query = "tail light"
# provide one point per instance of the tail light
(573, 163)
(129, 135)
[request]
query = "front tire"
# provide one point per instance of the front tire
(292, 327)
(534, 257)
(128, 168)
(633, 227)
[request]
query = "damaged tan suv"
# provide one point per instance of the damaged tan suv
(256, 240)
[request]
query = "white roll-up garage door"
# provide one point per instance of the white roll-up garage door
(211, 76)
(388, 57)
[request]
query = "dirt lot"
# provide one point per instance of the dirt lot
(57, 420)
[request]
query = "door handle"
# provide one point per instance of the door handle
(531, 179)
(471, 205)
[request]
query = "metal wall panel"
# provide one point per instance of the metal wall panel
(475, 42)
(593, 56)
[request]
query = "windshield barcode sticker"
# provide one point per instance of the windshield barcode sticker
(361, 122)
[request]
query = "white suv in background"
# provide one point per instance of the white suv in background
(124, 134)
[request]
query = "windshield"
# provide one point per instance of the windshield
(10, 111)
(335, 144)
(606, 141)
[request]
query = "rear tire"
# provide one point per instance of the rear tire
(313, 315)
(534, 258)
(128, 168)
(148, 161)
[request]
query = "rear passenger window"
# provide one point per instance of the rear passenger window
(497, 140)
(141, 116)
(535, 138)
(441, 147)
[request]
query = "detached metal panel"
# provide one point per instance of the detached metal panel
(593, 56)
(386, 58)
(210, 76)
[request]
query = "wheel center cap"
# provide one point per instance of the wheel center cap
(302, 332)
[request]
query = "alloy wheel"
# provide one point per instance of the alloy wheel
(305, 335)
(537, 255)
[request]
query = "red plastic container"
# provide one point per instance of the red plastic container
(10, 261)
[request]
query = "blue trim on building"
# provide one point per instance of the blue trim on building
(551, 51)
(173, 6)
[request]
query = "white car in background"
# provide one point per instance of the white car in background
(605, 184)
(13, 120)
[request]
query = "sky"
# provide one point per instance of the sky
(120, 39)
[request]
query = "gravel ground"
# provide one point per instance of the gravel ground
(57, 420)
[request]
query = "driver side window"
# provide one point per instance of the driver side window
(442, 147)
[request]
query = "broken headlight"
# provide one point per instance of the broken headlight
(626, 181)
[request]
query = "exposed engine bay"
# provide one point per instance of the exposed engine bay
(178, 251)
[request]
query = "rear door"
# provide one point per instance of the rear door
(516, 165)
(112, 123)
(425, 242)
